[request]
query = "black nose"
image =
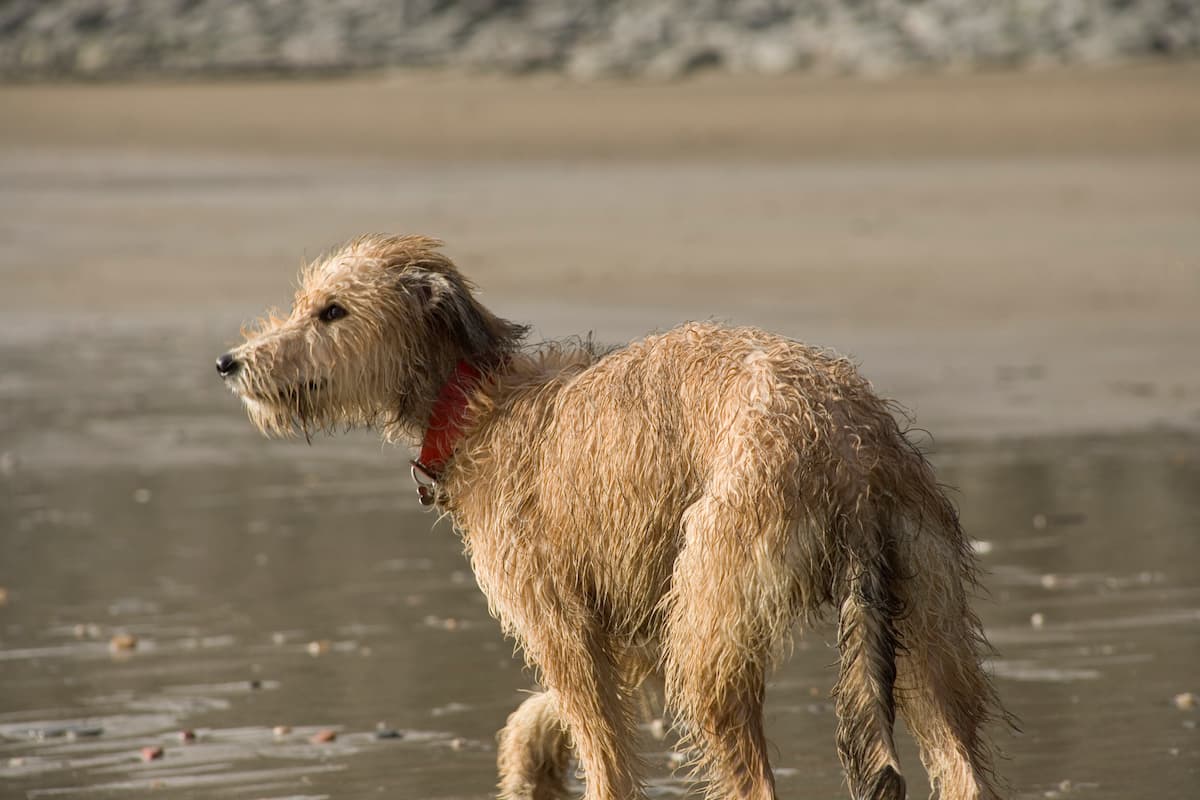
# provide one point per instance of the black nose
(227, 365)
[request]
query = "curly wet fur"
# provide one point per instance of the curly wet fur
(672, 507)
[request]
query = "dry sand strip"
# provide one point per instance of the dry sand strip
(436, 116)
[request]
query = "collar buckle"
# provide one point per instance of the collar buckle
(426, 481)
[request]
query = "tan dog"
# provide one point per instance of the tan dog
(672, 507)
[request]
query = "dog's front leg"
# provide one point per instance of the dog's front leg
(534, 752)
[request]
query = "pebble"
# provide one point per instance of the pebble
(1184, 701)
(1037, 620)
(152, 753)
(84, 732)
(323, 736)
(141, 496)
(281, 730)
(458, 743)
(382, 731)
(187, 736)
(658, 728)
(319, 647)
(123, 643)
(89, 631)
(3, 596)
(255, 683)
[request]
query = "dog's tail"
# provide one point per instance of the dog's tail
(868, 640)
(944, 693)
(534, 752)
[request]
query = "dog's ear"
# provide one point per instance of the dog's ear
(452, 310)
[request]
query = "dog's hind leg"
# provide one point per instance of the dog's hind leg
(945, 695)
(534, 752)
(729, 599)
(868, 641)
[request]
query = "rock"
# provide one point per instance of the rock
(586, 39)
(382, 731)
(1184, 701)
(123, 643)
(323, 736)
(152, 753)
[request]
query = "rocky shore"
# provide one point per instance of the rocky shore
(584, 39)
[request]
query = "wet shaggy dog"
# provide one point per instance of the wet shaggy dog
(670, 508)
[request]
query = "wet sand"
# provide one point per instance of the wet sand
(1012, 256)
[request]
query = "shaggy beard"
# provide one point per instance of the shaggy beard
(313, 407)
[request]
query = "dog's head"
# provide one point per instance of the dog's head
(375, 328)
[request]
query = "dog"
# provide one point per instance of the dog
(670, 508)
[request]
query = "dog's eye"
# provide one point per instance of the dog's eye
(331, 312)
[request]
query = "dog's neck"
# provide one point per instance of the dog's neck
(448, 417)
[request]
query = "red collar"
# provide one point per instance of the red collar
(445, 426)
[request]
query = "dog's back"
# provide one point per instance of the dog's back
(703, 488)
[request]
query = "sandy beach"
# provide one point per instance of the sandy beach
(1015, 257)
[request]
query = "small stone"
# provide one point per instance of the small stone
(3, 596)
(1040, 522)
(1050, 581)
(123, 643)
(319, 647)
(16, 761)
(88, 631)
(187, 736)
(152, 753)
(278, 638)
(281, 730)
(83, 732)
(658, 728)
(1184, 701)
(382, 731)
(141, 496)
(255, 684)
(323, 736)
(1037, 619)
(458, 743)
(1064, 786)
